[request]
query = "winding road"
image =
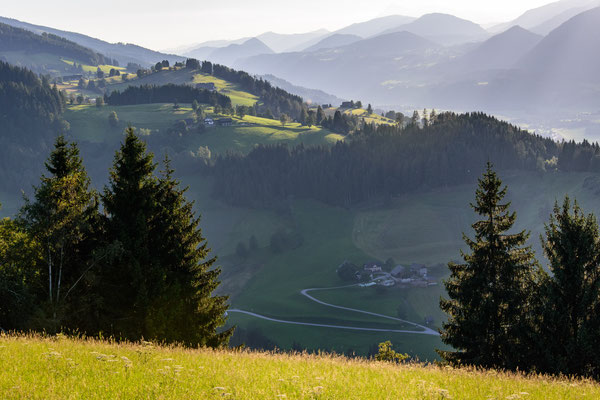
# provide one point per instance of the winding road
(425, 330)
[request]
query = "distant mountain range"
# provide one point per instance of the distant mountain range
(122, 52)
(546, 18)
(546, 58)
(230, 54)
(443, 28)
(451, 63)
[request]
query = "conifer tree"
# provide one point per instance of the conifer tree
(320, 115)
(62, 218)
(571, 294)
(129, 202)
(160, 286)
(489, 307)
(186, 311)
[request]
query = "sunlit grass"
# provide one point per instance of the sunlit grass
(61, 368)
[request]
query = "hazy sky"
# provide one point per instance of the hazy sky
(160, 24)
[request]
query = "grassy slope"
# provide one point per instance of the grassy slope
(185, 76)
(90, 123)
(422, 227)
(93, 68)
(59, 368)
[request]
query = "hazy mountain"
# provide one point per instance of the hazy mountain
(21, 46)
(375, 26)
(230, 54)
(309, 95)
(568, 53)
(201, 53)
(186, 49)
(124, 53)
(443, 28)
(498, 52)
(365, 63)
(559, 75)
(548, 17)
(555, 22)
(279, 42)
(335, 40)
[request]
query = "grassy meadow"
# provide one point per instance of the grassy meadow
(61, 368)
(422, 227)
(90, 123)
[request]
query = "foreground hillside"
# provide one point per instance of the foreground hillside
(60, 368)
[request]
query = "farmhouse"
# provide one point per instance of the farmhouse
(347, 104)
(419, 269)
(224, 121)
(397, 271)
(207, 86)
(372, 267)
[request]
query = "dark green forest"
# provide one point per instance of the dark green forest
(17, 39)
(385, 161)
(30, 118)
(170, 93)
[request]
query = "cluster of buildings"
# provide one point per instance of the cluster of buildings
(219, 122)
(414, 275)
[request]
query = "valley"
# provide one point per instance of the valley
(338, 175)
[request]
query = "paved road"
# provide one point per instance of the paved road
(425, 330)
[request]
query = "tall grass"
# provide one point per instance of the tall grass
(61, 368)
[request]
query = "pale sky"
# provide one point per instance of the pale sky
(160, 24)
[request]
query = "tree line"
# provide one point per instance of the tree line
(130, 262)
(169, 93)
(505, 311)
(17, 39)
(384, 161)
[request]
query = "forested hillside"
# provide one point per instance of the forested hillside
(17, 39)
(386, 161)
(30, 115)
(166, 94)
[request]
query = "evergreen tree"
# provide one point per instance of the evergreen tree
(62, 218)
(369, 109)
(304, 116)
(320, 115)
(571, 295)
(490, 294)
(160, 285)
(129, 202)
(185, 310)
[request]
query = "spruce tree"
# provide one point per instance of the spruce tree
(186, 311)
(489, 312)
(129, 203)
(570, 331)
(63, 218)
(160, 286)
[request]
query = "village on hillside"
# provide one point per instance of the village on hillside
(386, 274)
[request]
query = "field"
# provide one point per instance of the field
(422, 227)
(61, 368)
(185, 76)
(90, 123)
